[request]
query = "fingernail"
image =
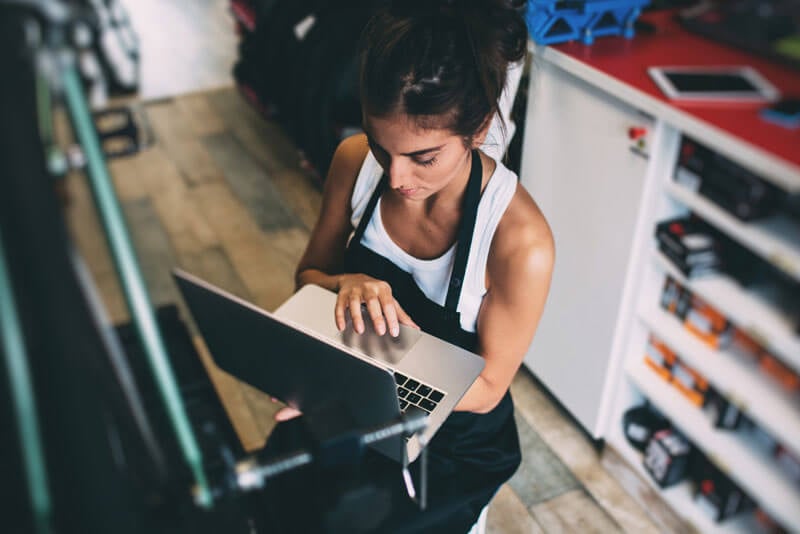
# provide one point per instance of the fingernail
(396, 331)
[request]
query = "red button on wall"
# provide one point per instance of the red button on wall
(636, 132)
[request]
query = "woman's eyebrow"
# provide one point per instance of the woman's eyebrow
(409, 154)
(423, 151)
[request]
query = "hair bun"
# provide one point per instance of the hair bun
(498, 26)
(441, 61)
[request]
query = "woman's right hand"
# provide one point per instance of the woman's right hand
(383, 309)
(286, 413)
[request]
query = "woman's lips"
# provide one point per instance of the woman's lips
(406, 192)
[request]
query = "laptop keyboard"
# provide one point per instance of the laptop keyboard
(414, 392)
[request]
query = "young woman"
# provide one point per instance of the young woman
(423, 229)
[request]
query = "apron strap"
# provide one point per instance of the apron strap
(466, 228)
(368, 210)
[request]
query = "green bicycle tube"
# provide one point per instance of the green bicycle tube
(132, 280)
(23, 401)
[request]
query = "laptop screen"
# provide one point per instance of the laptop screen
(281, 360)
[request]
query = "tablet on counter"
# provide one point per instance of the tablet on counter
(727, 84)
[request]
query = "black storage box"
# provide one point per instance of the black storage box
(737, 190)
(640, 423)
(667, 457)
(690, 244)
(718, 495)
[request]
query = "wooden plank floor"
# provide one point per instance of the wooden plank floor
(221, 194)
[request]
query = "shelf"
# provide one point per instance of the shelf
(750, 313)
(741, 382)
(776, 239)
(680, 499)
(759, 476)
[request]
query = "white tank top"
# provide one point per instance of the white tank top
(433, 276)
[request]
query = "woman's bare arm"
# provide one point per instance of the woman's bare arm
(323, 260)
(519, 269)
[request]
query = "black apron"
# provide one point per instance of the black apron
(472, 454)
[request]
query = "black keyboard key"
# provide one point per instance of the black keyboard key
(403, 404)
(402, 392)
(400, 379)
(436, 396)
(424, 390)
(427, 405)
(412, 385)
(413, 398)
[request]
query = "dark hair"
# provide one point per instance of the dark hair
(441, 62)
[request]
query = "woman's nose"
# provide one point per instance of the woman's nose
(398, 173)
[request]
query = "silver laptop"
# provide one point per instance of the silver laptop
(426, 368)
(298, 355)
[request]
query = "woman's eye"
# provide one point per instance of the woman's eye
(426, 162)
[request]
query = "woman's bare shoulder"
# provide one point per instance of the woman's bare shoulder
(347, 161)
(523, 242)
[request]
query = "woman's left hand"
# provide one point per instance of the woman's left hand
(383, 309)
(286, 413)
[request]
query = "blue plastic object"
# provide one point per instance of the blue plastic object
(785, 113)
(557, 21)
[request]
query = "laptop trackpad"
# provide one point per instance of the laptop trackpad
(384, 348)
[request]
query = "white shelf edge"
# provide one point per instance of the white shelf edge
(741, 383)
(781, 172)
(775, 249)
(758, 476)
(756, 318)
(679, 498)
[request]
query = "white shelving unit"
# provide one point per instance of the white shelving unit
(757, 318)
(756, 474)
(740, 382)
(585, 171)
(776, 239)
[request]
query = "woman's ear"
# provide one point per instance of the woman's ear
(480, 137)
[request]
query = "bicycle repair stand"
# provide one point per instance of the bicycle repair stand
(346, 496)
(52, 35)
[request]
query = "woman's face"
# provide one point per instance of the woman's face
(418, 162)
